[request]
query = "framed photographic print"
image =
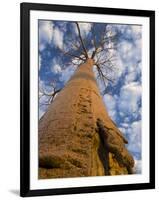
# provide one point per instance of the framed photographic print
(87, 99)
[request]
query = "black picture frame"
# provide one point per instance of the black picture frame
(25, 9)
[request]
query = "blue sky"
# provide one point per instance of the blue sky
(122, 97)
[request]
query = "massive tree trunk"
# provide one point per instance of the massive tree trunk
(76, 135)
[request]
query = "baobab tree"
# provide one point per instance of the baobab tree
(77, 137)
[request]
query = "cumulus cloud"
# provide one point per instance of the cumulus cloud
(56, 69)
(129, 50)
(45, 33)
(125, 125)
(136, 31)
(42, 99)
(123, 130)
(130, 77)
(41, 112)
(138, 167)
(126, 50)
(110, 103)
(85, 28)
(43, 107)
(129, 31)
(49, 33)
(58, 37)
(67, 73)
(134, 132)
(41, 85)
(56, 66)
(130, 96)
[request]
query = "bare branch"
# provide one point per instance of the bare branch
(70, 54)
(50, 96)
(106, 60)
(54, 94)
(103, 40)
(104, 77)
(75, 46)
(100, 76)
(81, 40)
(105, 49)
(43, 93)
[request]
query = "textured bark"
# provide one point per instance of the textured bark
(73, 132)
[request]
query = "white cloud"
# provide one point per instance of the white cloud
(58, 37)
(126, 50)
(120, 66)
(67, 73)
(41, 112)
(42, 107)
(136, 31)
(45, 33)
(134, 132)
(41, 85)
(130, 31)
(110, 101)
(123, 130)
(130, 95)
(110, 104)
(125, 125)
(133, 87)
(57, 69)
(126, 120)
(42, 46)
(130, 77)
(138, 167)
(129, 51)
(48, 32)
(85, 28)
(76, 61)
(42, 98)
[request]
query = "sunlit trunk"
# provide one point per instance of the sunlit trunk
(70, 139)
